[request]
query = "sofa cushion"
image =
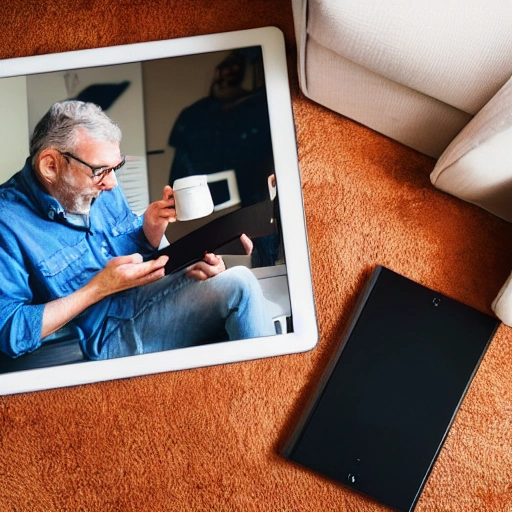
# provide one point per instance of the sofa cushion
(457, 52)
(477, 165)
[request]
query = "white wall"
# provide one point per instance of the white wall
(14, 132)
(127, 111)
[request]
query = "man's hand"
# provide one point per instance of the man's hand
(125, 272)
(157, 217)
(209, 267)
(246, 244)
(119, 274)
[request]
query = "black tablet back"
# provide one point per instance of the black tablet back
(386, 402)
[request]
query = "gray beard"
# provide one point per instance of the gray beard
(81, 206)
(73, 203)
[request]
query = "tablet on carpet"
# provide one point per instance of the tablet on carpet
(167, 97)
(383, 409)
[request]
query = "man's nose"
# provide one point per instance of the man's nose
(109, 181)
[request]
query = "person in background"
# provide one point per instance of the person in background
(230, 130)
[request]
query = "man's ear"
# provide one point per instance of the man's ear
(47, 166)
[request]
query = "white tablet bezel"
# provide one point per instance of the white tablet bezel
(305, 332)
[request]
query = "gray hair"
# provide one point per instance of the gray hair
(60, 126)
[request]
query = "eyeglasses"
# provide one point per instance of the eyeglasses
(98, 173)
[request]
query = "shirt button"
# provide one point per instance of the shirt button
(51, 214)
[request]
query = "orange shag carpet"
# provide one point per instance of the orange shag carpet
(209, 439)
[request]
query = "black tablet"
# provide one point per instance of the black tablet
(386, 402)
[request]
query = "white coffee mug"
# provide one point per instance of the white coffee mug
(192, 197)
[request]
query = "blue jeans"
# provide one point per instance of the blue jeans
(178, 311)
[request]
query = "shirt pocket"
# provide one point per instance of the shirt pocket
(69, 268)
(127, 237)
(126, 225)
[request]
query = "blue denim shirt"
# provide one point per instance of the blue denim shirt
(43, 256)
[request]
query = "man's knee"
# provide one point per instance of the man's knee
(242, 279)
(247, 308)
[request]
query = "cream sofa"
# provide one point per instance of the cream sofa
(433, 76)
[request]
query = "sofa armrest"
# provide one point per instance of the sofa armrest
(477, 165)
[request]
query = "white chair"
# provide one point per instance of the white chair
(413, 70)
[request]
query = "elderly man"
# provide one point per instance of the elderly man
(72, 251)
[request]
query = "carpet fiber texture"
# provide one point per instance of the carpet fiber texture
(209, 439)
